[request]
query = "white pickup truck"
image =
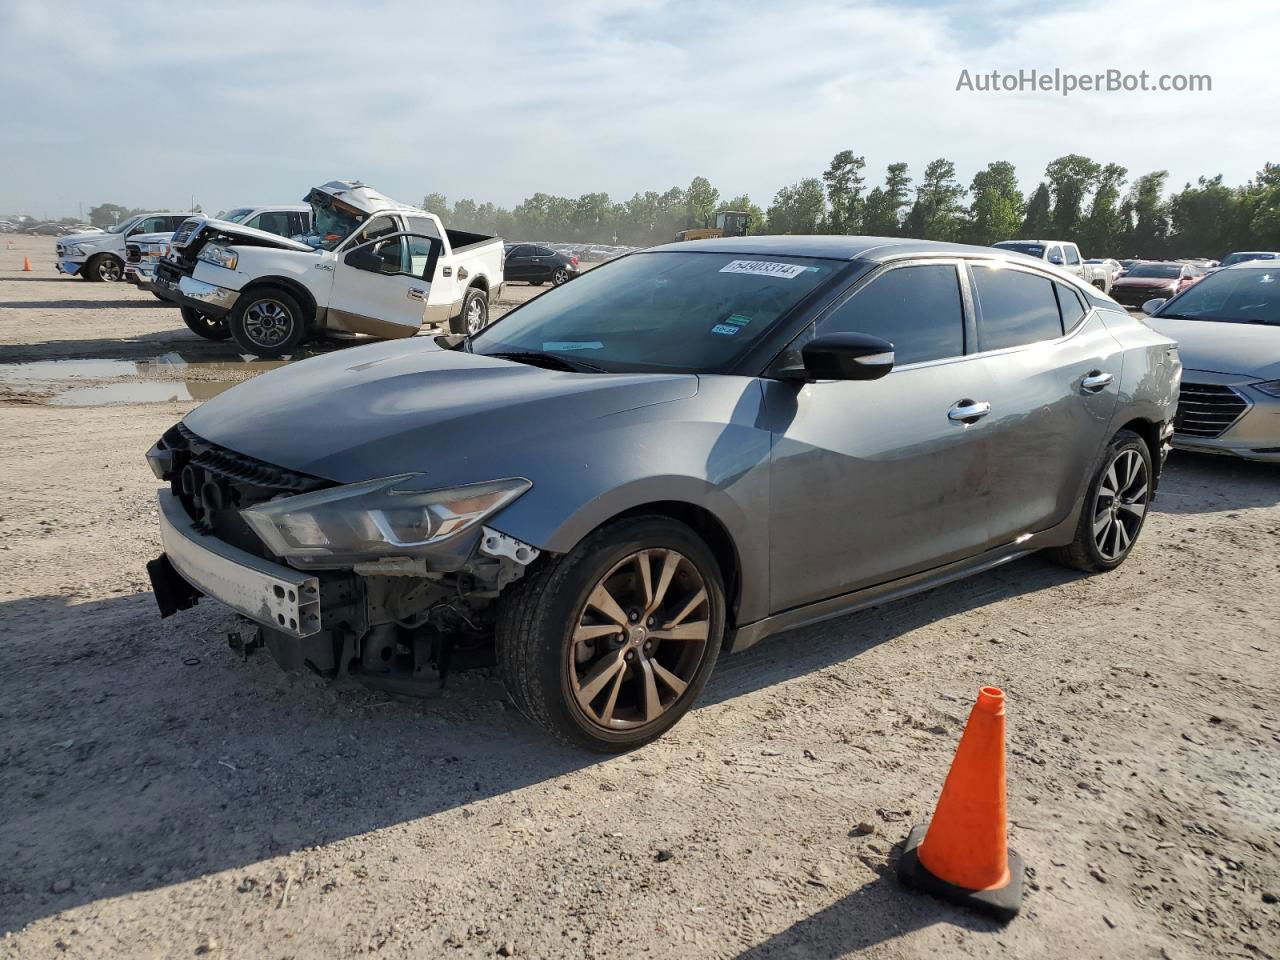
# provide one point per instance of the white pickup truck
(100, 255)
(369, 267)
(1064, 254)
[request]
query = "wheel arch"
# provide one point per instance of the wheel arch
(1149, 431)
(292, 287)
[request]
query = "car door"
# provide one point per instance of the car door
(1071, 261)
(543, 264)
(875, 480)
(379, 284)
(517, 266)
(1052, 394)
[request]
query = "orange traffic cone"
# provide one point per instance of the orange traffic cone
(963, 854)
(26, 264)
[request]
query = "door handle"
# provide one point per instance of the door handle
(1095, 381)
(969, 411)
(417, 293)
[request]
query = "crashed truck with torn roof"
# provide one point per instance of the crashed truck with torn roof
(370, 267)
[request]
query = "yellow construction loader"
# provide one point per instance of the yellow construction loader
(729, 223)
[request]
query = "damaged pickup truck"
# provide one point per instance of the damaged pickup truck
(369, 267)
(687, 449)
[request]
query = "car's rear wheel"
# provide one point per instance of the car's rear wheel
(560, 276)
(104, 267)
(1115, 507)
(475, 313)
(204, 325)
(267, 323)
(609, 645)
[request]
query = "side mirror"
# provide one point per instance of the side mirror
(363, 258)
(1151, 306)
(840, 356)
(1056, 261)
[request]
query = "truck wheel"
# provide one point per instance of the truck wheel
(1115, 508)
(609, 645)
(104, 267)
(475, 313)
(267, 322)
(203, 325)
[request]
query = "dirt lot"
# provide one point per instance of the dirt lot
(164, 799)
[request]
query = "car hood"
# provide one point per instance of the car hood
(406, 407)
(70, 238)
(1242, 349)
(252, 236)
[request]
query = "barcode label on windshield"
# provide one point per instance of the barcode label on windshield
(764, 268)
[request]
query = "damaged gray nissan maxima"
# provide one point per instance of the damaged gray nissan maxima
(676, 455)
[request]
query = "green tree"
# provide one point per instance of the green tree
(435, 203)
(1102, 231)
(700, 202)
(1037, 224)
(108, 214)
(882, 214)
(996, 210)
(1148, 233)
(798, 208)
(938, 213)
(1070, 179)
(464, 216)
(1202, 218)
(1260, 204)
(843, 179)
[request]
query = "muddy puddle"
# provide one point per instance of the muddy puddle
(90, 383)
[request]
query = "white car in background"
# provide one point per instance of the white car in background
(100, 255)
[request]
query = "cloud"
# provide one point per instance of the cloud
(151, 103)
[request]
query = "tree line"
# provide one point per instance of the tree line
(1095, 204)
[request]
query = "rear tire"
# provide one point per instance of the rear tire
(547, 652)
(475, 313)
(267, 322)
(1115, 508)
(203, 325)
(561, 276)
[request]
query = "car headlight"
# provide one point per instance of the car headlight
(219, 256)
(156, 250)
(1270, 387)
(76, 250)
(392, 517)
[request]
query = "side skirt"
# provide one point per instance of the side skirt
(748, 635)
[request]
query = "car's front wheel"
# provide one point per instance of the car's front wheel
(609, 645)
(267, 323)
(1115, 507)
(204, 325)
(104, 267)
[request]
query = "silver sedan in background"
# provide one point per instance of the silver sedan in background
(1228, 329)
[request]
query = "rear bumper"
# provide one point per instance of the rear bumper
(272, 595)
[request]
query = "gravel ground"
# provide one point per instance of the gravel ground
(165, 798)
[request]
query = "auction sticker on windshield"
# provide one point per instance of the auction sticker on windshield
(764, 268)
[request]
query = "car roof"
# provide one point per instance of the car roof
(1252, 265)
(1041, 242)
(832, 247)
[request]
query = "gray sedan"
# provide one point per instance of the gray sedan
(680, 453)
(1228, 328)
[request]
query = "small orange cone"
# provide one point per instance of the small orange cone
(963, 854)
(26, 264)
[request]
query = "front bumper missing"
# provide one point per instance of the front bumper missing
(267, 593)
(70, 267)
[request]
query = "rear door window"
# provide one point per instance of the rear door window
(1072, 254)
(917, 308)
(1015, 307)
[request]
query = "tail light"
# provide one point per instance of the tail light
(573, 261)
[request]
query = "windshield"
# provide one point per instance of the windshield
(1231, 258)
(332, 221)
(670, 311)
(1031, 249)
(124, 225)
(236, 215)
(1162, 271)
(1251, 295)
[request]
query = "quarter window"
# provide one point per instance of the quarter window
(1015, 308)
(1073, 255)
(915, 308)
(1070, 306)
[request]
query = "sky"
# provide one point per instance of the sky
(152, 104)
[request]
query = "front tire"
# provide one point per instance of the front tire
(609, 645)
(1115, 508)
(267, 322)
(104, 268)
(204, 325)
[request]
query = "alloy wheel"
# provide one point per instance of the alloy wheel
(562, 276)
(475, 316)
(1120, 505)
(639, 640)
(267, 323)
(109, 270)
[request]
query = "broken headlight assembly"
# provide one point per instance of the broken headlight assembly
(392, 517)
(219, 256)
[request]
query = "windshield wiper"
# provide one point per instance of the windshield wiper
(551, 361)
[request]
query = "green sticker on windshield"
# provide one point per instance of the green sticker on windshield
(738, 319)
